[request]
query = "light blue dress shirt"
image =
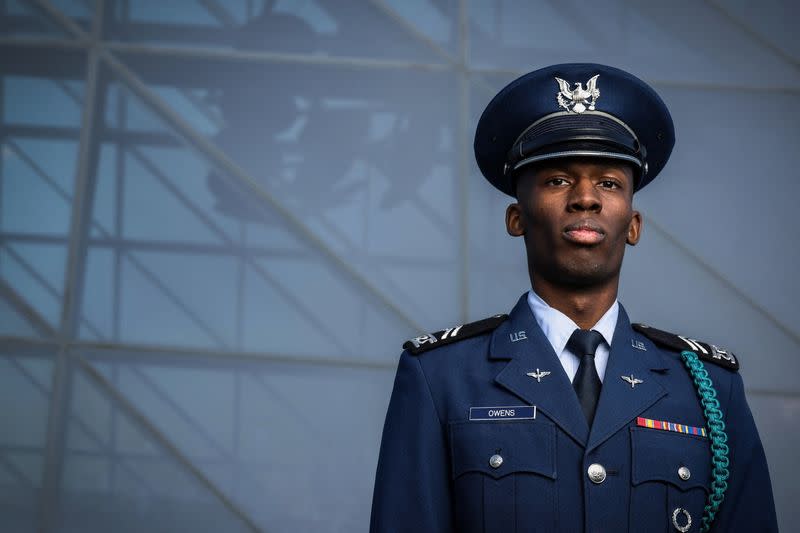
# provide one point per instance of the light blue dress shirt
(558, 328)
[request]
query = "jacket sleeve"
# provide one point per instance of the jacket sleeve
(748, 504)
(412, 484)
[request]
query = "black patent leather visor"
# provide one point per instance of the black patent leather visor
(590, 134)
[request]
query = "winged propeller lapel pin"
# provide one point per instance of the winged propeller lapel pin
(632, 380)
(538, 375)
(578, 100)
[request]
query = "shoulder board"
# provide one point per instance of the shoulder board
(429, 341)
(707, 352)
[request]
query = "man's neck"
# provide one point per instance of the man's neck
(585, 305)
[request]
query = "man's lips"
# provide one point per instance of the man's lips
(584, 232)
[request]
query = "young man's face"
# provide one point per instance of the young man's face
(576, 216)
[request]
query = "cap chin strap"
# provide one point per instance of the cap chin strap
(591, 134)
(576, 153)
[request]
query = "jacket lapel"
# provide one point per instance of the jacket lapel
(520, 340)
(620, 402)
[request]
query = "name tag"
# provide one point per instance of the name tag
(517, 412)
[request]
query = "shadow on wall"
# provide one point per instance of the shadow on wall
(315, 139)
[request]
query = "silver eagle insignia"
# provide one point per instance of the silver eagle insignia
(632, 380)
(578, 98)
(538, 375)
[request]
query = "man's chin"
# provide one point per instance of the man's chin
(584, 274)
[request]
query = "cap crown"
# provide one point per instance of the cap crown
(574, 93)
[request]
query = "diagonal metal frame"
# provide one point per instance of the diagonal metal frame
(46, 285)
(81, 425)
(15, 472)
(11, 296)
(197, 427)
(143, 422)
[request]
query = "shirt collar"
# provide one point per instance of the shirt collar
(558, 327)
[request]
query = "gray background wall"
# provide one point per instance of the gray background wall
(220, 219)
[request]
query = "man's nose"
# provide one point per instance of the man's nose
(584, 197)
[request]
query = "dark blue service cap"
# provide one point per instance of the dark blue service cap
(569, 110)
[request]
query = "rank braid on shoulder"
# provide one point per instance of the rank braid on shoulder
(705, 351)
(429, 341)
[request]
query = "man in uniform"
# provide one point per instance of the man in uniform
(562, 415)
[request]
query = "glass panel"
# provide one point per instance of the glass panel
(111, 458)
(344, 28)
(258, 436)
(14, 323)
(79, 11)
(24, 95)
(20, 18)
(37, 174)
(36, 273)
(25, 386)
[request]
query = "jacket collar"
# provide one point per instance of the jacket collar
(520, 341)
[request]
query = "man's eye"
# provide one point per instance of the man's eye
(557, 181)
(609, 184)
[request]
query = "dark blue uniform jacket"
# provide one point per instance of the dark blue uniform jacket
(434, 472)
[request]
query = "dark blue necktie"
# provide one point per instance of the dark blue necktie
(584, 343)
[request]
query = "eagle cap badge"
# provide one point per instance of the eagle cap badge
(578, 100)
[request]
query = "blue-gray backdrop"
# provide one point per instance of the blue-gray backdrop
(219, 219)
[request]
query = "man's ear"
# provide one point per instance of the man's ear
(634, 228)
(515, 224)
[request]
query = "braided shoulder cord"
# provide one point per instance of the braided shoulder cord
(716, 433)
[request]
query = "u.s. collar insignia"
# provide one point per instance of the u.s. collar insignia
(576, 100)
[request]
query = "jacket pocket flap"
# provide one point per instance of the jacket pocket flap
(681, 460)
(520, 446)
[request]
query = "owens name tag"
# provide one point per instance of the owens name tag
(517, 412)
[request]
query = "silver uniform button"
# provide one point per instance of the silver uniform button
(495, 461)
(684, 473)
(597, 474)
